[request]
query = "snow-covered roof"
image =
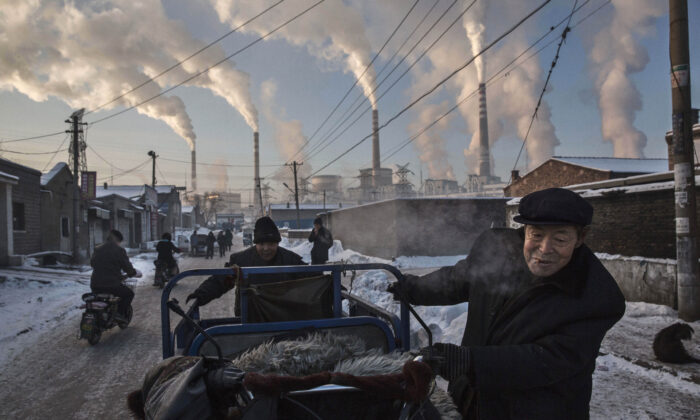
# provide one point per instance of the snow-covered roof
(626, 165)
(47, 177)
(303, 206)
(187, 209)
(126, 191)
(164, 189)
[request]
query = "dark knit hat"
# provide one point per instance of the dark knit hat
(554, 206)
(266, 231)
(318, 221)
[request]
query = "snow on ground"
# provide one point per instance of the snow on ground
(34, 299)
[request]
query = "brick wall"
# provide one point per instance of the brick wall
(551, 174)
(631, 224)
(27, 192)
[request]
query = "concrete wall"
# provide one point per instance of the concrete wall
(26, 192)
(415, 226)
(644, 279)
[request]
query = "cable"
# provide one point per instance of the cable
(135, 168)
(357, 80)
(219, 164)
(546, 82)
(317, 150)
(161, 175)
(179, 63)
(502, 71)
(54, 155)
(103, 159)
(32, 153)
(34, 137)
(440, 83)
(211, 67)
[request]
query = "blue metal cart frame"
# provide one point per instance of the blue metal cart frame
(401, 327)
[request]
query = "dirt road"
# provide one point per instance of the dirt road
(65, 378)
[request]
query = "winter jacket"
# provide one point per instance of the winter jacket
(210, 240)
(165, 251)
(533, 341)
(215, 286)
(108, 261)
(323, 241)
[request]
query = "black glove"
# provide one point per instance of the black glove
(223, 383)
(395, 288)
(448, 360)
(197, 294)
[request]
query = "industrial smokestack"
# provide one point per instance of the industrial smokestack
(375, 147)
(258, 192)
(484, 154)
(194, 171)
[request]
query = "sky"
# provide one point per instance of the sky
(608, 95)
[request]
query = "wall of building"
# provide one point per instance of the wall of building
(417, 226)
(644, 279)
(57, 203)
(27, 193)
(553, 174)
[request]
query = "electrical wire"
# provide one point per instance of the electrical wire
(318, 150)
(287, 22)
(32, 153)
(55, 153)
(437, 85)
(161, 174)
(33, 137)
(220, 164)
(128, 171)
(502, 71)
(564, 33)
(103, 159)
(181, 62)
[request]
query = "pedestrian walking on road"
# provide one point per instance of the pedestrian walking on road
(194, 242)
(323, 241)
(221, 240)
(211, 239)
(229, 239)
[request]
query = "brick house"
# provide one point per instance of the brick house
(169, 204)
(25, 210)
(560, 171)
(57, 209)
(7, 256)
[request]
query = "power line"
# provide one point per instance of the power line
(55, 153)
(211, 67)
(32, 153)
(128, 171)
(161, 175)
(33, 137)
(181, 62)
(103, 159)
(546, 82)
(440, 83)
(219, 164)
(318, 147)
(502, 71)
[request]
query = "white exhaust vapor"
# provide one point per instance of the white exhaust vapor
(68, 51)
(333, 32)
(615, 54)
(474, 26)
(431, 144)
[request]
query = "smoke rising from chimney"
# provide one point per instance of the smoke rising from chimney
(68, 51)
(431, 144)
(615, 54)
(474, 26)
(333, 32)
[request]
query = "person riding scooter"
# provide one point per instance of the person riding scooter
(166, 248)
(108, 262)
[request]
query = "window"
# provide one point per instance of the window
(65, 227)
(18, 216)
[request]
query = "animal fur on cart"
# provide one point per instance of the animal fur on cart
(276, 368)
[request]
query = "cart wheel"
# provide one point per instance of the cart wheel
(94, 337)
(129, 314)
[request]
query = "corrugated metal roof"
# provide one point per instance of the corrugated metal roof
(625, 165)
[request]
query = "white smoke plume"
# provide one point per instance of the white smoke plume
(333, 32)
(217, 175)
(431, 144)
(474, 25)
(287, 134)
(88, 53)
(615, 54)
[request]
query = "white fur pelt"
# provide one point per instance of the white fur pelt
(325, 351)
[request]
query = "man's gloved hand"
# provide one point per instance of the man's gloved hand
(448, 360)
(395, 287)
(224, 382)
(197, 294)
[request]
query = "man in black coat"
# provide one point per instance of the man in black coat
(108, 261)
(165, 249)
(265, 252)
(323, 241)
(540, 303)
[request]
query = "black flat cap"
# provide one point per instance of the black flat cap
(266, 231)
(554, 206)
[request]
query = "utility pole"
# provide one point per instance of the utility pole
(687, 281)
(75, 123)
(153, 156)
(296, 188)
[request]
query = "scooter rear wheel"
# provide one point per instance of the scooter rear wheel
(94, 337)
(129, 314)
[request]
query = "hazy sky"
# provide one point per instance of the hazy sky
(609, 93)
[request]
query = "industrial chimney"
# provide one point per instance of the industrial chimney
(194, 171)
(375, 148)
(256, 155)
(484, 154)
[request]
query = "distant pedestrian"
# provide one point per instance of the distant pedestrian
(194, 242)
(221, 240)
(210, 245)
(229, 239)
(323, 241)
